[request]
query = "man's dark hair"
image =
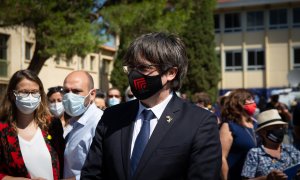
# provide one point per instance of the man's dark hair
(161, 49)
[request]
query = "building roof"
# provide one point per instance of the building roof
(247, 3)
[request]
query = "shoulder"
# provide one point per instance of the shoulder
(94, 112)
(122, 108)
(289, 148)
(193, 109)
(256, 150)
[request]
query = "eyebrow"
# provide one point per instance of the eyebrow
(72, 90)
(27, 90)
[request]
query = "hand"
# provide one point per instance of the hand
(276, 175)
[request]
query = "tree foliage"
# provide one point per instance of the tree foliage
(192, 20)
(60, 26)
(132, 18)
(204, 69)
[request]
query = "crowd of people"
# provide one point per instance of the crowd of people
(150, 132)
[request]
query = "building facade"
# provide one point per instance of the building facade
(258, 43)
(17, 47)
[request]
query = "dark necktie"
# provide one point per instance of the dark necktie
(141, 140)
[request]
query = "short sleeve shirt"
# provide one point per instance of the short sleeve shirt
(259, 163)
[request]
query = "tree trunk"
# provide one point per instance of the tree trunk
(37, 61)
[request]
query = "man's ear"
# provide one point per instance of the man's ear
(171, 74)
(92, 95)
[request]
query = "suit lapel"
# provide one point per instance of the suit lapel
(126, 135)
(165, 122)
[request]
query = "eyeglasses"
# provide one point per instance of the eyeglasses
(25, 94)
(111, 96)
(142, 68)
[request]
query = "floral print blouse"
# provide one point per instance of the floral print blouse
(12, 163)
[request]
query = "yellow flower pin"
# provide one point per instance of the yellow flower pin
(49, 137)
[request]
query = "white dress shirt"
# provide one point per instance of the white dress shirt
(79, 140)
(157, 110)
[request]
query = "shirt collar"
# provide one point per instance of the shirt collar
(85, 116)
(157, 109)
(263, 151)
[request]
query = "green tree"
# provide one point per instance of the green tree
(130, 19)
(62, 27)
(204, 70)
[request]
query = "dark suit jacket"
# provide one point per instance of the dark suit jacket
(187, 147)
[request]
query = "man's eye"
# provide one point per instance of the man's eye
(143, 67)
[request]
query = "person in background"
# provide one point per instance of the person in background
(283, 112)
(100, 99)
(296, 125)
(158, 135)
(237, 132)
(59, 124)
(129, 95)
(218, 108)
(55, 95)
(26, 150)
(78, 102)
(270, 159)
(113, 97)
(281, 107)
(184, 96)
(202, 99)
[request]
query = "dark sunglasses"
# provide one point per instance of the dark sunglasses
(56, 89)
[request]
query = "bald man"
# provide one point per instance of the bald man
(79, 103)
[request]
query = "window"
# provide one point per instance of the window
(255, 21)
(278, 19)
(233, 61)
(105, 66)
(92, 62)
(297, 58)
(296, 17)
(233, 22)
(82, 60)
(256, 59)
(28, 47)
(3, 54)
(217, 23)
(3, 46)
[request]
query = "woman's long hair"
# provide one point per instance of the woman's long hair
(8, 109)
(233, 108)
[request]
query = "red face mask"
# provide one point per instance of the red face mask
(250, 108)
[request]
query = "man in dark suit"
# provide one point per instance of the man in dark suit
(158, 135)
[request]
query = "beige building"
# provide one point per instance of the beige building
(16, 50)
(258, 42)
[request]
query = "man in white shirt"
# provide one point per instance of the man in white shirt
(79, 103)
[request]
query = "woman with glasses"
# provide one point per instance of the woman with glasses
(25, 143)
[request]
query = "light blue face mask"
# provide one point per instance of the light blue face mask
(74, 104)
(27, 104)
(113, 101)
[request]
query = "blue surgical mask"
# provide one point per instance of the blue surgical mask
(113, 101)
(27, 104)
(57, 109)
(74, 104)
